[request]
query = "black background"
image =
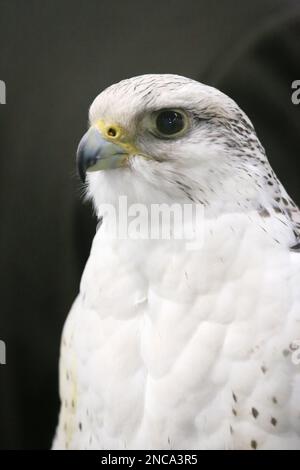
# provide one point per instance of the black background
(55, 57)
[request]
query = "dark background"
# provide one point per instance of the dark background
(55, 57)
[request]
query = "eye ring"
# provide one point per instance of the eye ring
(170, 123)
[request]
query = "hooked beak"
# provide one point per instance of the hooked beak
(95, 153)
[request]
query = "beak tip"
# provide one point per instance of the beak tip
(81, 167)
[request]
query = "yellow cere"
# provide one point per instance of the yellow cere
(116, 134)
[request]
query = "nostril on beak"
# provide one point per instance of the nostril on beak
(111, 132)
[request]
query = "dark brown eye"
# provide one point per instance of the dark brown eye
(169, 122)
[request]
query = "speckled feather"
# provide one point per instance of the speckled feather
(166, 348)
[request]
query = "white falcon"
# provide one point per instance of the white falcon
(173, 348)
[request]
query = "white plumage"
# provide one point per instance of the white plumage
(169, 348)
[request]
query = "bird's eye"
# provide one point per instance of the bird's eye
(169, 122)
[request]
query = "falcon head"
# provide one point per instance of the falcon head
(167, 138)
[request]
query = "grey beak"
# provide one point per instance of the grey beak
(94, 153)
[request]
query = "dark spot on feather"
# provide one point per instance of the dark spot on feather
(273, 421)
(255, 413)
(277, 210)
(264, 213)
(234, 412)
(264, 369)
(254, 444)
(234, 397)
(295, 247)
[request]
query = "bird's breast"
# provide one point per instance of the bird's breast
(173, 345)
